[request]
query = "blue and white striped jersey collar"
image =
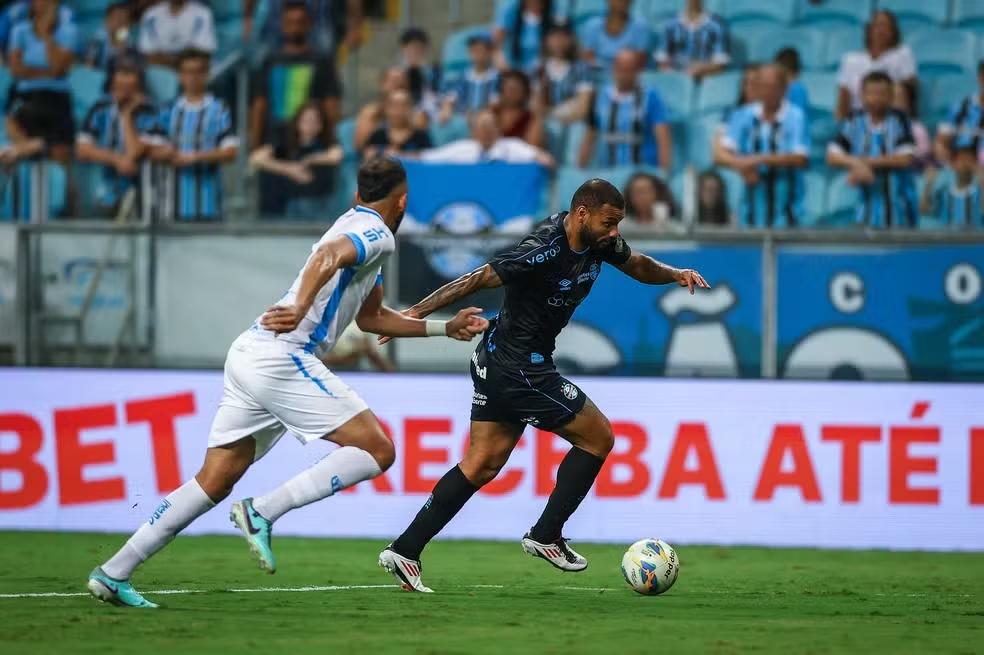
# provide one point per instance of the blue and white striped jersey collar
(758, 109)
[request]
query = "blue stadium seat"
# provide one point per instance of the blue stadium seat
(737, 12)
(556, 134)
(968, 14)
(835, 12)
(223, 9)
(718, 92)
(920, 10)
(454, 129)
(676, 89)
(344, 196)
(585, 9)
(700, 135)
(840, 41)
(808, 41)
(822, 89)
(87, 25)
(814, 198)
(87, 87)
(822, 128)
(5, 80)
(736, 190)
(678, 187)
(842, 200)
(345, 133)
(454, 55)
(575, 134)
(655, 12)
(569, 178)
(162, 83)
(229, 34)
(944, 51)
(944, 93)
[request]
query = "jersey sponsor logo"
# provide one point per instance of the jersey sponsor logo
(544, 256)
(374, 234)
(159, 512)
(591, 274)
(536, 358)
(336, 484)
(480, 371)
(530, 420)
(479, 399)
(560, 301)
(569, 391)
(619, 244)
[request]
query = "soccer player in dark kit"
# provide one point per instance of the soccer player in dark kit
(546, 277)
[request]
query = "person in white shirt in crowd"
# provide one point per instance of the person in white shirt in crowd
(487, 144)
(883, 51)
(356, 350)
(169, 28)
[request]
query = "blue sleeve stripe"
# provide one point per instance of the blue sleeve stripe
(359, 247)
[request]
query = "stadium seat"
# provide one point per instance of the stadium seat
(556, 134)
(944, 51)
(839, 41)
(822, 89)
(229, 34)
(700, 135)
(5, 80)
(345, 133)
(162, 83)
(944, 93)
(717, 93)
(808, 41)
(655, 12)
(678, 187)
(585, 9)
(835, 12)
(822, 128)
(918, 10)
(814, 199)
(223, 9)
(87, 87)
(968, 14)
(454, 129)
(676, 89)
(737, 12)
(575, 134)
(842, 200)
(454, 55)
(736, 190)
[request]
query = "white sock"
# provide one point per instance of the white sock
(340, 469)
(174, 514)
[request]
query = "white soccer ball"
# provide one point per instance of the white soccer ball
(650, 566)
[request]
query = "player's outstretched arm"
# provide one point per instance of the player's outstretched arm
(649, 271)
(320, 268)
(377, 318)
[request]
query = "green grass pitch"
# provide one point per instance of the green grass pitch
(727, 600)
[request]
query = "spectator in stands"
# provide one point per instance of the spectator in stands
(954, 196)
(630, 122)
(907, 101)
(15, 12)
(42, 48)
(883, 51)
(424, 75)
(789, 60)
(563, 82)
(169, 28)
(520, 27)
(604, 37)
(333, 23)
(487, 144)
(118, 133)
(513, 111)
(116, 37)
(965, 124)
(478, 87)
(305, 162)
(712, 200)
(398, 136)
(649, 205)
(372, 115)
(748, 92)
(767, 143)
(352, 346)
(875, 146)
(291, 77)
(196, 136)
(695, 42)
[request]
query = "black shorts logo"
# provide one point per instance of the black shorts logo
(569, 391)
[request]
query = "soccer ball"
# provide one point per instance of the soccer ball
(650, 566)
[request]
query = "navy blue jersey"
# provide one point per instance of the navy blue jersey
(473, 91)
(681, 43)
(102, 127)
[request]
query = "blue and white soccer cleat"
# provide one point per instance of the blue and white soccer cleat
(117, 592)
(405, 570)
(258, 532)
(558, 553)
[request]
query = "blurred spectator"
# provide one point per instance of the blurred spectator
(649, 205)
(333, 23)
(767, 143)
(304, 163)
(513, 111)
(424, 75)
(487, 144)
(695, 42)
(397, 136)
(563, 82)
(169, 28)
(883, 51)
(965, 124)
(604, 37)
(875, 146)
(371, 117)
(20, 10)
(196, 136)
(291, 77)
(748, 92)
(789, 60)
(954, 195)
(116, 37)
(41, 53)
(712, 200)
(118, 132)
(520, 26)
(478, 87)
(630, 122)
(906, 101)
(352, 347)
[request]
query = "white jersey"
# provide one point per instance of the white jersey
(337, 303)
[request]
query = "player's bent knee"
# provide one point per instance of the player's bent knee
(382, 450)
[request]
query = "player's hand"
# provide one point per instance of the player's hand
(466, 324)
(282, 318)
(691, 279)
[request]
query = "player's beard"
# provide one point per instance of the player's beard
(590, 240)
(399, 219)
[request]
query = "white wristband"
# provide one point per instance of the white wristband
(437, 328)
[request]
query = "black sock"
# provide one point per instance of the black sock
(450, 494)
(576, 474)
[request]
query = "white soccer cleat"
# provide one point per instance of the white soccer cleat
(406, 571)
(558, 553)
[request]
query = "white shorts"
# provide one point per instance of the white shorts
(270, 389)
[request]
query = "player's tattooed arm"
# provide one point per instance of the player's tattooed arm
(649, 271)
(483, 277)
(379, 319)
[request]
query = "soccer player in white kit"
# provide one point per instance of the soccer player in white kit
(274, 382)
